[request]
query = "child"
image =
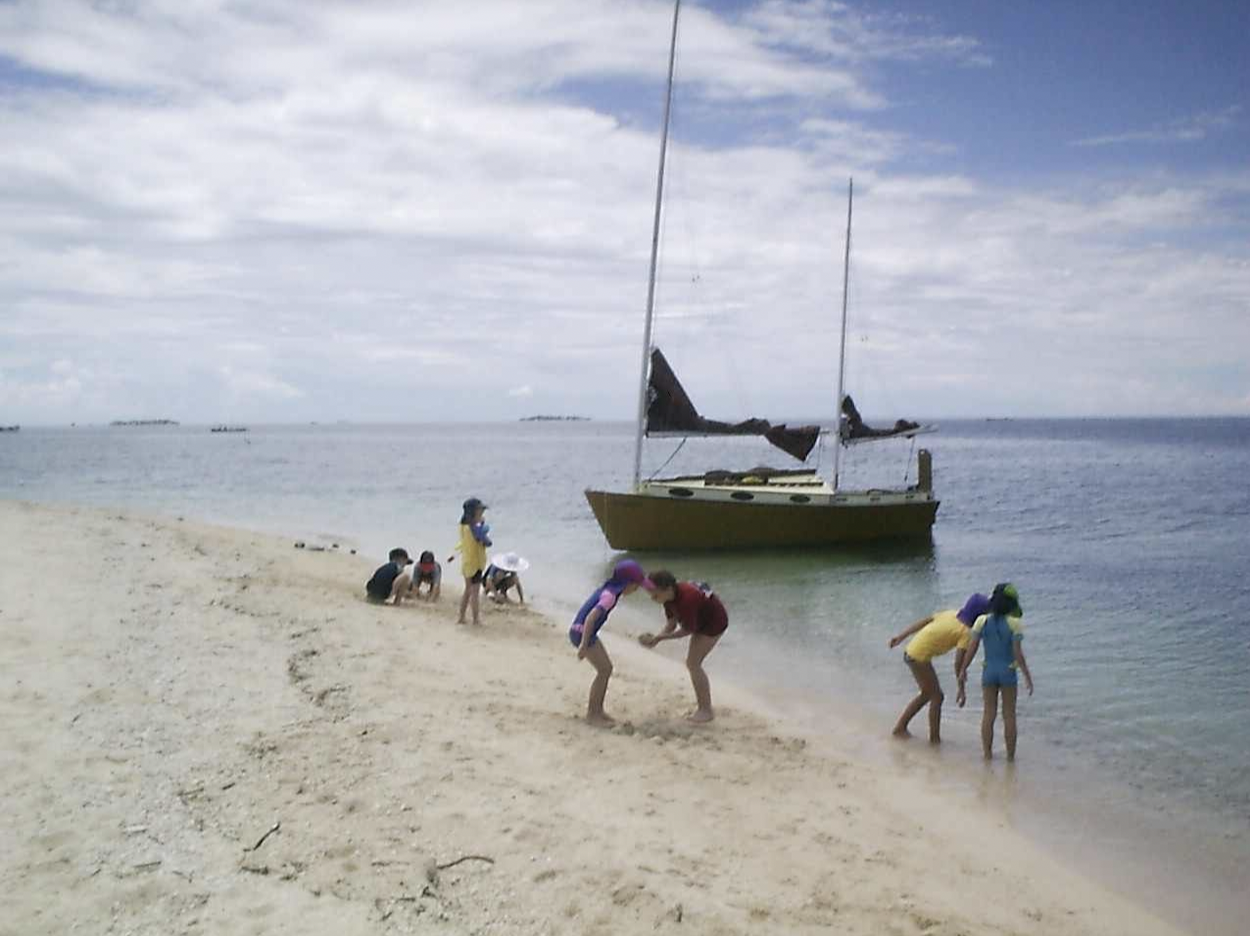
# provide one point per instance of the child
(626, 578)
(936, 635)
(1002, 633)
(503, 574)
(691, 611)
(430, 574)
(473, 543)
(390, 581)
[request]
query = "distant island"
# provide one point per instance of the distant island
(555, 419)
(144, 422)
(9, 428)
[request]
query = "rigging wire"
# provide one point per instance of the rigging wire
(680, 446)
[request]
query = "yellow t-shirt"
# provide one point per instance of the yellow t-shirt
(472, 553)
(941, 635)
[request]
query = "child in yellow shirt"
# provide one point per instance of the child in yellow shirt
(936, 635)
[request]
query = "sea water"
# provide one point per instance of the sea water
(1129, 541)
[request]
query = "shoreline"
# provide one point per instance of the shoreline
(199, 685)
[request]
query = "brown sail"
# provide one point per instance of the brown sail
(671, 411)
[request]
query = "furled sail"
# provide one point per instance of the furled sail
(854, 429)
(670, 411)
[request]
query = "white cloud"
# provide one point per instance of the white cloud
(240, 383)
(317, 210)
(1184, 130)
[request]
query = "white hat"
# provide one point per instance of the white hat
(509, 562)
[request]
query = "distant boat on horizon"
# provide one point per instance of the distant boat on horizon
(144, 422)
(554, 419)
(9, 428)
(228, 429)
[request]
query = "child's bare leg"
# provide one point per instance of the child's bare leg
(400, 587)
(475, 600)
(989, 710)
(1009, 720)
(700, 646)
(464, 601)
(935, 710)
(598, 657)
(926, 680)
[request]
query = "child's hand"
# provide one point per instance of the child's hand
(1028, 683)
(647, 640)
(581, 653)
(961, 696)
(895, 641)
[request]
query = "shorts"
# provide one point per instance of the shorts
(475, 578)
(1003, 676)
(714, 619)
(373, 598)
(575, 636)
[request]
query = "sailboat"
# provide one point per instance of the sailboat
(762, 507)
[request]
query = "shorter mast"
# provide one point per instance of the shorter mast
(846, 279)
(655, 250)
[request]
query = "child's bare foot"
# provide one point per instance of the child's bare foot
(935, 740)
(600, 720)
(902, 733)
(700, 716)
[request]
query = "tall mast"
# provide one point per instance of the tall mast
(655, 249)
(846, 279)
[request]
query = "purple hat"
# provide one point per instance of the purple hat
(630, 572)
(973, 608)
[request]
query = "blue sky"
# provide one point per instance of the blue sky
(387, 210)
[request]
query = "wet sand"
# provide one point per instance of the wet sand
(208, 731)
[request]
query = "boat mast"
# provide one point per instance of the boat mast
(655, 248)
(846, 278)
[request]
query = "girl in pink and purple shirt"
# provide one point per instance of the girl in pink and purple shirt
(626, 578)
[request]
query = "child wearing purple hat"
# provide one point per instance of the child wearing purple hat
(936, 635)
(627, 577)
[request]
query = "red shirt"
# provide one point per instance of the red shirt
(696, 611)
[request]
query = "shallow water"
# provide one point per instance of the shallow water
(1129, 541)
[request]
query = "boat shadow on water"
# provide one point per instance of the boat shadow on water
(783, 563)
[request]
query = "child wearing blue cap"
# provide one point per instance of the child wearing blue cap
(627, 577)
(1002, 633)
(936, 635)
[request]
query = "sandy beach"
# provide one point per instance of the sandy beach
(208, 731)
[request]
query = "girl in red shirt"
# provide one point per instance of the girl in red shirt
(691, 610)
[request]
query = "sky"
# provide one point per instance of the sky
(375, 210)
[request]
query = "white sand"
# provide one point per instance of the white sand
(170, 692)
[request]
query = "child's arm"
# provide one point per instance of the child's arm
(672, 632)
(1023, 664)
(895, 641)
(520, 592)
(973, 646)
(588, 628)
(961, 696)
